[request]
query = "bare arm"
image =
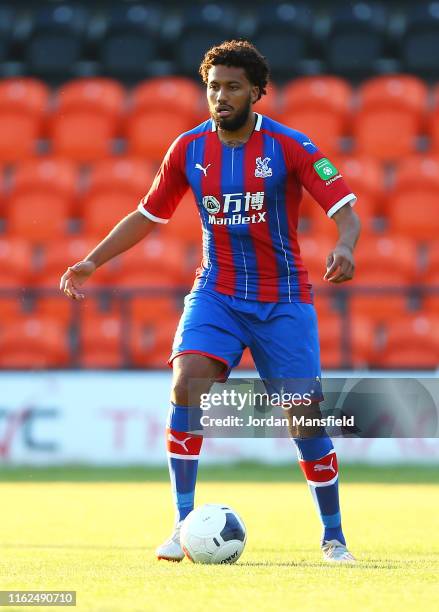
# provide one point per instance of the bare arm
(128, 232)
(340, 261)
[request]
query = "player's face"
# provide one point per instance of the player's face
(230, 96)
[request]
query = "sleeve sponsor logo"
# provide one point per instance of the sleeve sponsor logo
(325, 169)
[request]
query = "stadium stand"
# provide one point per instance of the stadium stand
(84, 128)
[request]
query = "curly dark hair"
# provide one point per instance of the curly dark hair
(239, 54)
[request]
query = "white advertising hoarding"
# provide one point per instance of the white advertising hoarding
(118, 418)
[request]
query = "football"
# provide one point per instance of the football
(213, 533)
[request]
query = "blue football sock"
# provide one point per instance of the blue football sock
(183, 449)
(318, 461)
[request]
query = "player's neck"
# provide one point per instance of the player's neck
(238, 137)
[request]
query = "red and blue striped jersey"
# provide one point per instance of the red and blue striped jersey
(248, 200)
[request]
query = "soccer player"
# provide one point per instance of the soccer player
(246, 172)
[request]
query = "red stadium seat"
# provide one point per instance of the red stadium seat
(100, 338)
(412, 205)
(431, 273)
(33, 342)
(270, 103)
(391, 116)
(16, 262)
(330, 336)
(151, 132)
(185, 224)
(23, 105)
(175, 94)
(155, 262)
(411, 342)
(115, 189)
(386, 261)
(151, 339)
(61, 253)
(319, 107)
(314, 250)
(87, 118)
(378, 309)
(42, 198)
(57, 308)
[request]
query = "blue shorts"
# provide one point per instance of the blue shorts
(282, 337)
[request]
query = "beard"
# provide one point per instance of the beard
(232, 124)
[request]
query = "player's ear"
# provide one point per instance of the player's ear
(254, 94)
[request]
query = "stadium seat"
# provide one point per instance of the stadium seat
(314, 250)
(270, 103)
(15, 262)
(384, 261)
(365, 176)
(100, 341)
(319, 107)
(391, 117)
(356, 38)
(154, 262)
(23, 104)
(33, 342)
(87, 118)
(330, 336)
(56, 307)
(151, 340)
(61, 253)
(362, 341)
(378, 308)
(130, 41)
(150, 133)
(173, 94)
(421, 35)
(433, 123)
(283, 35)
(203, 26)
(411, 342)
(10, 307)
(42, 198)
(412, 204)
(56, 39)
(430, 275)
(115, 188)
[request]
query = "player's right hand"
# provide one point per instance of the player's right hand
(74, 277)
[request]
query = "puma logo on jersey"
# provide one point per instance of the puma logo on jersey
(319, 467)
(203, 170)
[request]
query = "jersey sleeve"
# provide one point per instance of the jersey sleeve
(168, 187)
(320, 176)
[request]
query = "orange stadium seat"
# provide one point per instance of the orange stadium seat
(413, 204)
(430, 275)
(23, 105)
(378, 308)
(87, 118)
(391, 116)
(330, 336)
(16, 262)
(147, 307)
(155, 262)
(151, 339)
(61, 253)
(151, 133)
(363, 340)
(411, 342)
(433, 126)
(386, 261)
(270, 103)
(313, 250)
(56, 307)
(30, 341)
(115, 188)
(42, 198)
(365, 176)
(100, 340)
(175, 94)
(319, 107)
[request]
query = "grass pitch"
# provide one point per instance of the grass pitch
(95, 532)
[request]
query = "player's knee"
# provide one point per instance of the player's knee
(193, 376)
(304, 421)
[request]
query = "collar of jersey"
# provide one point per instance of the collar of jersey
(257, 125)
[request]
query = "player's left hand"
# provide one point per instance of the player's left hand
(339, 265)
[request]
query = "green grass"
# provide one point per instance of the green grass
(98, 538)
